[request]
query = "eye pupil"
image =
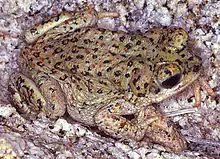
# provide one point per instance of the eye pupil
(172, 81)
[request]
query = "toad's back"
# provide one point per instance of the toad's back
(90, 52)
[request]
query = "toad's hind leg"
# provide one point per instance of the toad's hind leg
(31, 98)
(112, 120)
(66, 22)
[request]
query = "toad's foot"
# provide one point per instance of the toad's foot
(202, 83)
(197, 86)
(148, 123)
(112, 120)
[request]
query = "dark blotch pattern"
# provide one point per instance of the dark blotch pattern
(58, 50)
(99, 73)
(151, 39)
(74, 69)
(36, 54)
(138, 42)
(117, 73)
(40, 64)
(109, 69)
(73, 40)
(57, 65)
(80, 57)
(140, 94)
(127, 75)
(106, 61)
(99, 91)
(68, 58)
(130, 63)
(94, 56)
(122, 38)
(65, 42)
(128, 46)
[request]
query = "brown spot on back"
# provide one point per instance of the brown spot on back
(87, 41)
(136, 79)
(115, 46)
(101, 37)
(138, 42)
(36, 54)
(151, 39)
(109, 69)
(140, 94)
(130, 63)
(99, 91)
(122, 38)
(127, 75)
(128, 46)
(95, 49)
(106, 61)
(63, 77)
(94, 56)
(58, 50)
(164, 49)
(74, 68)
(117, 73)
(146, 85)
(57, 65)
(40, 64)
(99, 73)
(74, 40)
(80, 57)
(65, 42)
(68, 58)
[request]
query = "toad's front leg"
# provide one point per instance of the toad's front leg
(149, 123)
(111, 119)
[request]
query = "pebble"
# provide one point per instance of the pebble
(6, 111)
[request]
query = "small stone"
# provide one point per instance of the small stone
(154, 155)
(64, 155)
(7, 111)
(124, 147)
(80, 131)
(61, 124)
(165, 18)
(139, 3)
(134, 155)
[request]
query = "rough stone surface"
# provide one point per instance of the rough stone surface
(44, 138)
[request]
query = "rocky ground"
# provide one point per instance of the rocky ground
(44, 138)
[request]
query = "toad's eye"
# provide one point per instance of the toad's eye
(169, 75)
(172, 81)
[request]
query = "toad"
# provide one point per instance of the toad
(100, 77)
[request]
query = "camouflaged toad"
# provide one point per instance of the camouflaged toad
(100, 76)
